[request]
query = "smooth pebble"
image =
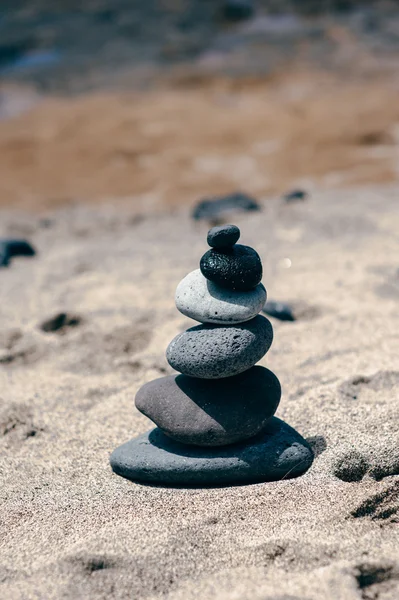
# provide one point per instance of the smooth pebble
(223, 236)
(215, 209)
(204, 301)
(279, 452)
(211, 412)
(279, 310)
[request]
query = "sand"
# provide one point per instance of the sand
(188, 139)
(71, 529)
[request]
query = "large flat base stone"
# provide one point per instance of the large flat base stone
(279, 452)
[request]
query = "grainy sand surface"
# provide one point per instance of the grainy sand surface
(71, 529)
(170, 146)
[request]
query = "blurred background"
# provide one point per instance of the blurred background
(163, 102)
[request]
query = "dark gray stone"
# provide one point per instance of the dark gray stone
(60, 323)
(214, 351)
(236, 268)
(295, 196)
(279, 452)
(223, 236)
(206, 412)
(297, 310)
(10, 248)
(279, 310)
(215, 209)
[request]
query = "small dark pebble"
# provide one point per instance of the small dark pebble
(237, 10)
(295, 195)
(213, 209)
(297, 310)
(11, 248)
(279, 310)
(60, 322)
(235, 268)
(223, 236)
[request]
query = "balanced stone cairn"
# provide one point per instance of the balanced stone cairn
(215, 422)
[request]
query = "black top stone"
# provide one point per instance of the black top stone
(223, 236)
(235, 268)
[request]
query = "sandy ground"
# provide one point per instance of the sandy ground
(71, 529)
(186, 140)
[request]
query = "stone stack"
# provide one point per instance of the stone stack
(215, 419)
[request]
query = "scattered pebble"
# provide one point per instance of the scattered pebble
(213, 351)
(278, 453)
(236, 268)
(223, 236)
(60, 322)
(215, 209)
(10, 248)
(206, 302)
(295, 196)
(211, 412)
(279, 310)
(297, 310)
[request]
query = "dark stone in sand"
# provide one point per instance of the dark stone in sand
(295, 196)
(236, 268)
(223, 236)
(11, 248)
(215, 209)
(60, 322)
(211, 412)
(297, 310)
(279, 452)
(279, 310)
(216, 351)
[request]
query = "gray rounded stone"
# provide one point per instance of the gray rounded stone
(213, 412)
(204, 301)
(279, 452)
(214, 351)
(223, 236)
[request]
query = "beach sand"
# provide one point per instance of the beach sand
(191, 138)
(70, 528)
